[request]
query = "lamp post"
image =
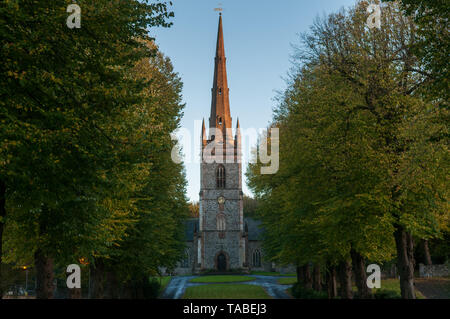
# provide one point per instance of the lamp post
(84, 261)
(26, 279)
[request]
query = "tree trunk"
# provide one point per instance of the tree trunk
(359, 269)
(307, 280)
(331, 282)
(44, 275)
(112, 287)
(410, 242)
(345, 280)
(2, 224)
(298, 270)
(426, 251)
(317, 285)
(405, 265)
(96, 278)
(75, 293)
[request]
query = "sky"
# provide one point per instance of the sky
(258, 38)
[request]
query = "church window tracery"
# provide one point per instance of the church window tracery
(220, 176)
(256, 258)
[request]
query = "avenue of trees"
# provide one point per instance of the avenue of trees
(363, 148)
(86, 175)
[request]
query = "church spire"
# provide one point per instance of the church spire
(220, 105)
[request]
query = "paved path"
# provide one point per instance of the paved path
(177, 286)
(434, 288)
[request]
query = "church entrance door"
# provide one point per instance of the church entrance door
(221, 262)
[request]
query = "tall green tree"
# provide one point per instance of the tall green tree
(155, 239)
(61, 91)
(359, 164)
(433, 43)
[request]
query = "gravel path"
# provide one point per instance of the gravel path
(177, 286)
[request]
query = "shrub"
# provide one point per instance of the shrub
(386, 294)
(143, 288)
(152, 289)
(300, 292)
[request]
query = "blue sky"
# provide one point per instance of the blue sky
(258, 37)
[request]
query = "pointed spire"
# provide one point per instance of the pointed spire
(203, 133)
(220, 105)
(220, 47)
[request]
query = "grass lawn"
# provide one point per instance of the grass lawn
(221, 279)
(394, 285)
(226, 291)
(271, 273)
(164, 281)
(287, 281)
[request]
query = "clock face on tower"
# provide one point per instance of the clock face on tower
(221, 200)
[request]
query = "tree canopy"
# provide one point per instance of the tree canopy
(361, 169)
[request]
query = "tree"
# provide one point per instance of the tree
(369, 170)
(63, 94)
(194, 209)
(155, 184)
(250, 206)
(432, 46)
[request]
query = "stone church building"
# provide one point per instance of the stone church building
(221, 239)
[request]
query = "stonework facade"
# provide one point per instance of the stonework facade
(427, 271)
(221, 225)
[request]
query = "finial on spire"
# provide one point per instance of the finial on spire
(219, 8)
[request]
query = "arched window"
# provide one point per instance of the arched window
(221, 225)
(220, 176)
(256, 258)
(221, 222)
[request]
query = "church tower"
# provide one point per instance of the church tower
(221, 236)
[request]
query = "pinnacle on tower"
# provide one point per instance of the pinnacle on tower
(204, 138)
(237, 140)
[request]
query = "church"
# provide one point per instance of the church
(221, 238)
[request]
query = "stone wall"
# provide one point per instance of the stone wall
(191, 257)
(228, 242)
(289, 269)
(434, 270)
